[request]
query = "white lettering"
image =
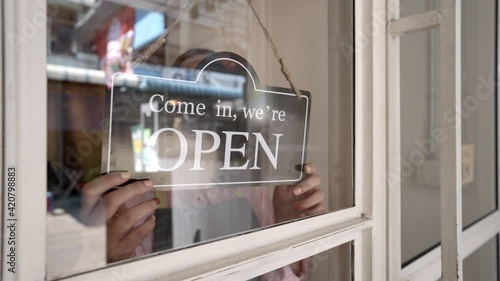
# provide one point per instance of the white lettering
(151, 103)
(248, 112)
(229, 149)
(198, 148)
(171, 102)
(183, 147)
(267, 150)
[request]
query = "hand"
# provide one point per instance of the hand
(300, 200)
(97, 208)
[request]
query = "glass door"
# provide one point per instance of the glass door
(78, 127)
(444, 105)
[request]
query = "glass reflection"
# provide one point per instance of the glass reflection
(96, 218)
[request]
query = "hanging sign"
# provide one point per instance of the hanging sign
(205, 127)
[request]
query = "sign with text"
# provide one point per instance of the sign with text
(205, 128)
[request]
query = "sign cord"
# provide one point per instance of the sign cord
(284, 70)
(162, 39)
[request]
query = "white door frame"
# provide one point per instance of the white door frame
(377, 156)
(456, 244)
(25, 135)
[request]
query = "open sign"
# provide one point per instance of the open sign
(216, 129)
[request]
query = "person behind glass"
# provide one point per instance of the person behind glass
(129, 211)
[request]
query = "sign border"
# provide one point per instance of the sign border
(306, 95)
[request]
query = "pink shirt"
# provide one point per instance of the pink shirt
(260, 199)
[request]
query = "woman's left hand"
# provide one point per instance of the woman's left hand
(299, 200)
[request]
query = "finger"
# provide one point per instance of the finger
(115, 199)
(309, 168)
(315, 210)
(315, 198)
(309, 183)
(122, 209)
(93, 190)
(122, 224)
(135, 237)
(283, 190)
(126, 247)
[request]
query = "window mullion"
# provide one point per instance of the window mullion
(451, 155)
(394, 144)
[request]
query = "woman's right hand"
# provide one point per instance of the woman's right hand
(123, 236)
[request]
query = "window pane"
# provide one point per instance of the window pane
(420, 139)
(412, 7)
(479, 110)
(99, 124)
(483, 263)
(421, 117)
(333, 265)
